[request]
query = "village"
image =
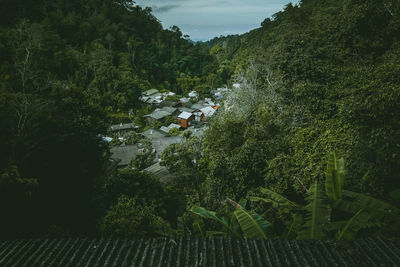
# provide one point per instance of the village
(170, 121)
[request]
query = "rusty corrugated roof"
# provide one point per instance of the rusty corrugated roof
(198, 252)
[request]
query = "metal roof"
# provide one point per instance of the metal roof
(186, 109)
(123, 126)
(123, 153)
(185, 115)
(170, 110)
(150, 92)
(208, 111)
(197, 106)
(153, 134)
(158, 114)
(161, 172)
(185, 251)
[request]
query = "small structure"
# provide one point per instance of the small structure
(153, 134)
(107, 139)
(184, 100)
(193, 94)
(167, 103)
(124, 154)
(166, 129)
(185, 119)
(159, 114)
(171, 110)
(207, 112)
(185, 109)
(197, 106)
(156, 115)
(150, 92)
(208, 102)
(123, 128)
(161, 172)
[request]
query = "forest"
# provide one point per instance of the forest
(307, 147)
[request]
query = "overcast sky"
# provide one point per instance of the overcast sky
(205, 19)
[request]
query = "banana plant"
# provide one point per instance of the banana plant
(206, 214)
(315, 217)
(317, 214)
(334, 177)
(252, 225)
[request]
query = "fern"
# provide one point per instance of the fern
(334, 177)
(318, 215)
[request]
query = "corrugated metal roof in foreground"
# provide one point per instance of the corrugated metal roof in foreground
(198, 252)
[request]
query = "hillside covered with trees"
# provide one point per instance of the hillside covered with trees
(310, 137)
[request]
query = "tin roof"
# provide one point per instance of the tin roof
(185, 115)
(185, 251)
(150, 92)
(158, 114)
(208, 111)
(123, 126)
(124, 154)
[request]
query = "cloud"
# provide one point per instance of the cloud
(163, 9)
(205, 19)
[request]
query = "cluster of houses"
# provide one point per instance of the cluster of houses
(186, 114)
(183, 110)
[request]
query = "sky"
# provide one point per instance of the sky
(205, 19)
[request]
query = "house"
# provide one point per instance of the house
(153, 134)
(171, 110)
(159, 114)
(167, 103)
(185, 109)
(193, 94)
(156, 115)
(124, 154)
(161, 172)
(209, 102)
(207, 112)
(144, 99)
(185, 119)
(150, 92)
(166, 129)
(197, 106)
(123, 128)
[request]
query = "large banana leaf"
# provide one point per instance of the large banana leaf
(348, 230)
(379, 210)
(277, 200)
(252, 224)
(318, 215)
(202, 212)
(334, 177)
(198, 227)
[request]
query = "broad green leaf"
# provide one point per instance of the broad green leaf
(318, 215)
(252, 224)
(202, 212)
(334, 177)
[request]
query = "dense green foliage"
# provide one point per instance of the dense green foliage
(69, 69)
(317, 77)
